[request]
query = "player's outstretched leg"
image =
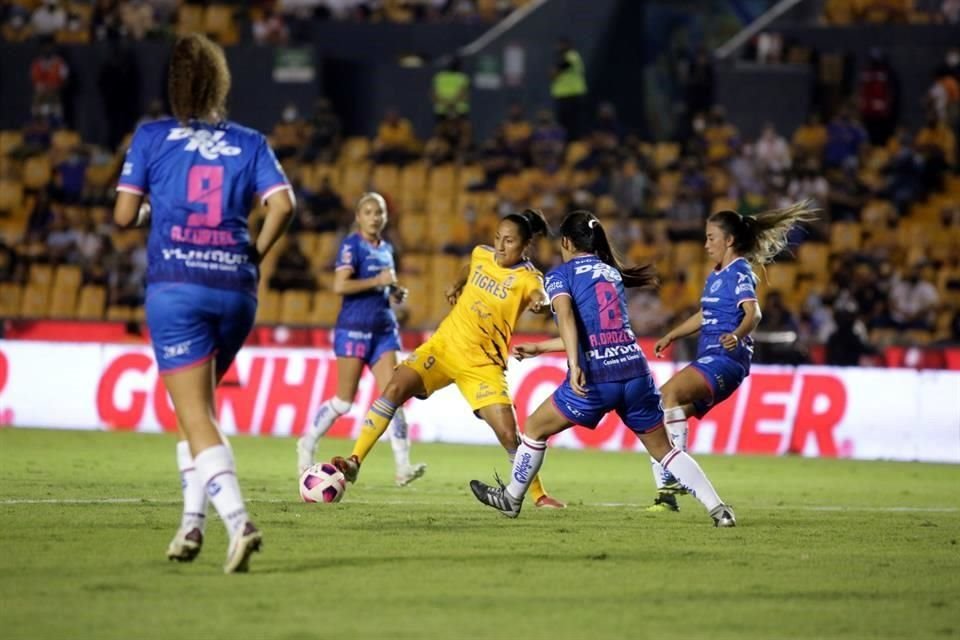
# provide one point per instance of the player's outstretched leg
(400, 443)
(327, 414)
(188, 540)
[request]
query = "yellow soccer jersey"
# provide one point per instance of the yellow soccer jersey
(479, 327)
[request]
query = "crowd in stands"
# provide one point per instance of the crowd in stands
(228, 21)
(844, 12)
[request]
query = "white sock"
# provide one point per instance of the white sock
(194, 494)
(675, 422)
(215, 465)
(691, 476)
(657, 474)
(400, 440)
(526, 465)
(327, 414)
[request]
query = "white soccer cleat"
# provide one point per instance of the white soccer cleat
(305, 454)
(242, 546)
(186, 545)
(411, 472)
(723, 516)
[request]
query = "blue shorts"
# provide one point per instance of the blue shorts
(722, 374)
(367, 345)
(636, 401)
(189, 324)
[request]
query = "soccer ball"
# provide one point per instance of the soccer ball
(322, 482)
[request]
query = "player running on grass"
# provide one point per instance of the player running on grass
(607, 369)
(366, 333)
(729, 313)
(201, 172)
(471, 346)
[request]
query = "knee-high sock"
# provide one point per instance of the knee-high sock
(400, 440)
(327, 414)
(657, 473)
(194, 492)
(378, 418)
(219, 473)
(524, 475)
(675, 422)
(691, 476)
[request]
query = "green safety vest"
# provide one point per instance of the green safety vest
(572, 81)
(447, 85)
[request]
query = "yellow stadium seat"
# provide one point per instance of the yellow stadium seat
(326, 307)
(100, 175)
(355, 149)
(414, 263)
(10, 140)
(64, 140)
(41, 275)
(219, 23)
(812, 257)
(413, 230)
(845, 236)
(11, 195)
(354, 180)
(11, 295)
(665, 154)
(327, 245)
(469, 175)
(37, 172)
(190, 19)
(781, 276)
(67, 276)
(418, 302)
(576, 151)
(687, 254)
(295, 307)
(119, 313)
(268, 308)
(386, 180)
(36, 301)
(92, 301)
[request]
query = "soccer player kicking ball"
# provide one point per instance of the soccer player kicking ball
(607, 369)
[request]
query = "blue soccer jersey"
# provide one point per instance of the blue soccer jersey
(201, 180)
(721, 303)
(608, 347)
(368, 310)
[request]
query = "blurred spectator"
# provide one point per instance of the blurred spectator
(395, 142)
(568, 89)
(810, 139)
(76, 31)
(697, 83)
(686, 217)
(846, 194)
(16, 29)
(547, 141)
(630, 187)
(720, 135)
(269, 28)
(517, 130)
(62, 240)
(605, 136)
(913, 301)
(119, 83)
(12, 267)
(37, 133)
(904, 175)
(772, 151)
(137, 18)
(944, 95)
(48, 73)
(69, 177)
(746, 177)
(497, 160)
(936, 142)
(951, 11)
(451, 91)
(289, 133)
(776, 316)
(321, 211)
(293, 270)
(451, 139)
(878, 96)
(808, 184)
(323, 133)
(48, 18)
(845, 137)
(106, 18)
(846, 347)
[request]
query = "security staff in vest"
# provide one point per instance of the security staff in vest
(569, 89)
(451, 92)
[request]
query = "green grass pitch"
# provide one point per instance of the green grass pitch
(825, 549)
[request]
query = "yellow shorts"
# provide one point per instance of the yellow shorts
(437, 367)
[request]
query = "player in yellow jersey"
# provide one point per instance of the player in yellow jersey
(471, 345)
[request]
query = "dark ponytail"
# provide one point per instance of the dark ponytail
(759, 239)
(530, 222)
(586, 233)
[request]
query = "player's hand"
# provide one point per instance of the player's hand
(386, 278)
(729, 341)
(452, 294)
(526, 350)
(662, 345)
(578, 381)
(399, 294)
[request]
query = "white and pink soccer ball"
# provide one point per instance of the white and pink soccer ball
(322, 482)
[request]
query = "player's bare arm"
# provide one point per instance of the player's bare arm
(452, 293)
(688, 327)
(563, 306)
(126, 211)
(280, 211)
(751, 318)
(344, 285)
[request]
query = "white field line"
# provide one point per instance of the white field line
(452, 503)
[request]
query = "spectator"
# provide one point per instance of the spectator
(913, 301)
(630, 187)
(547, 142)
(16, 29)
(451, 138)
(137, 18)
(776, 316)
(944, 95)
(288, 134)
(605, 138)
(846, 347)
(76, 31)
(951, 11)
(846, 194)
(270, 29)
(106, 18)
(322, 211)
(568, 89)
(49, 73)
(70, 175)
(293, 270)
(48, 18)
(808, 184)
(686, 217)
(845, 137)
(451, 91)
(497, 160)
(517, 131)
(324, 133)
(772, 151)
(746, 177)
(936, 142)
(878, 97)
(720, 135)
(810, 139)
(395, 142)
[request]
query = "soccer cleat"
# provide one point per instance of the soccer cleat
(242, 546)
(409, 473)
(673, 488)
(723, 516)
(664, 502)
(349, 467)
(185, 545)
(496, 497)
(547, 502)
(305, 454)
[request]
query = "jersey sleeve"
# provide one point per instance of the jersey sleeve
(745, 289)
(557, 284)
(270, 177)
(134, 175)
(347, 257)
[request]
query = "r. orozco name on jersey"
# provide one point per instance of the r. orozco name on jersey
(209, 144)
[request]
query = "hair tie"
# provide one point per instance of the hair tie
(592, 223)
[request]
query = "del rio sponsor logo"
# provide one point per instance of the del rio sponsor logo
(209, 144)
